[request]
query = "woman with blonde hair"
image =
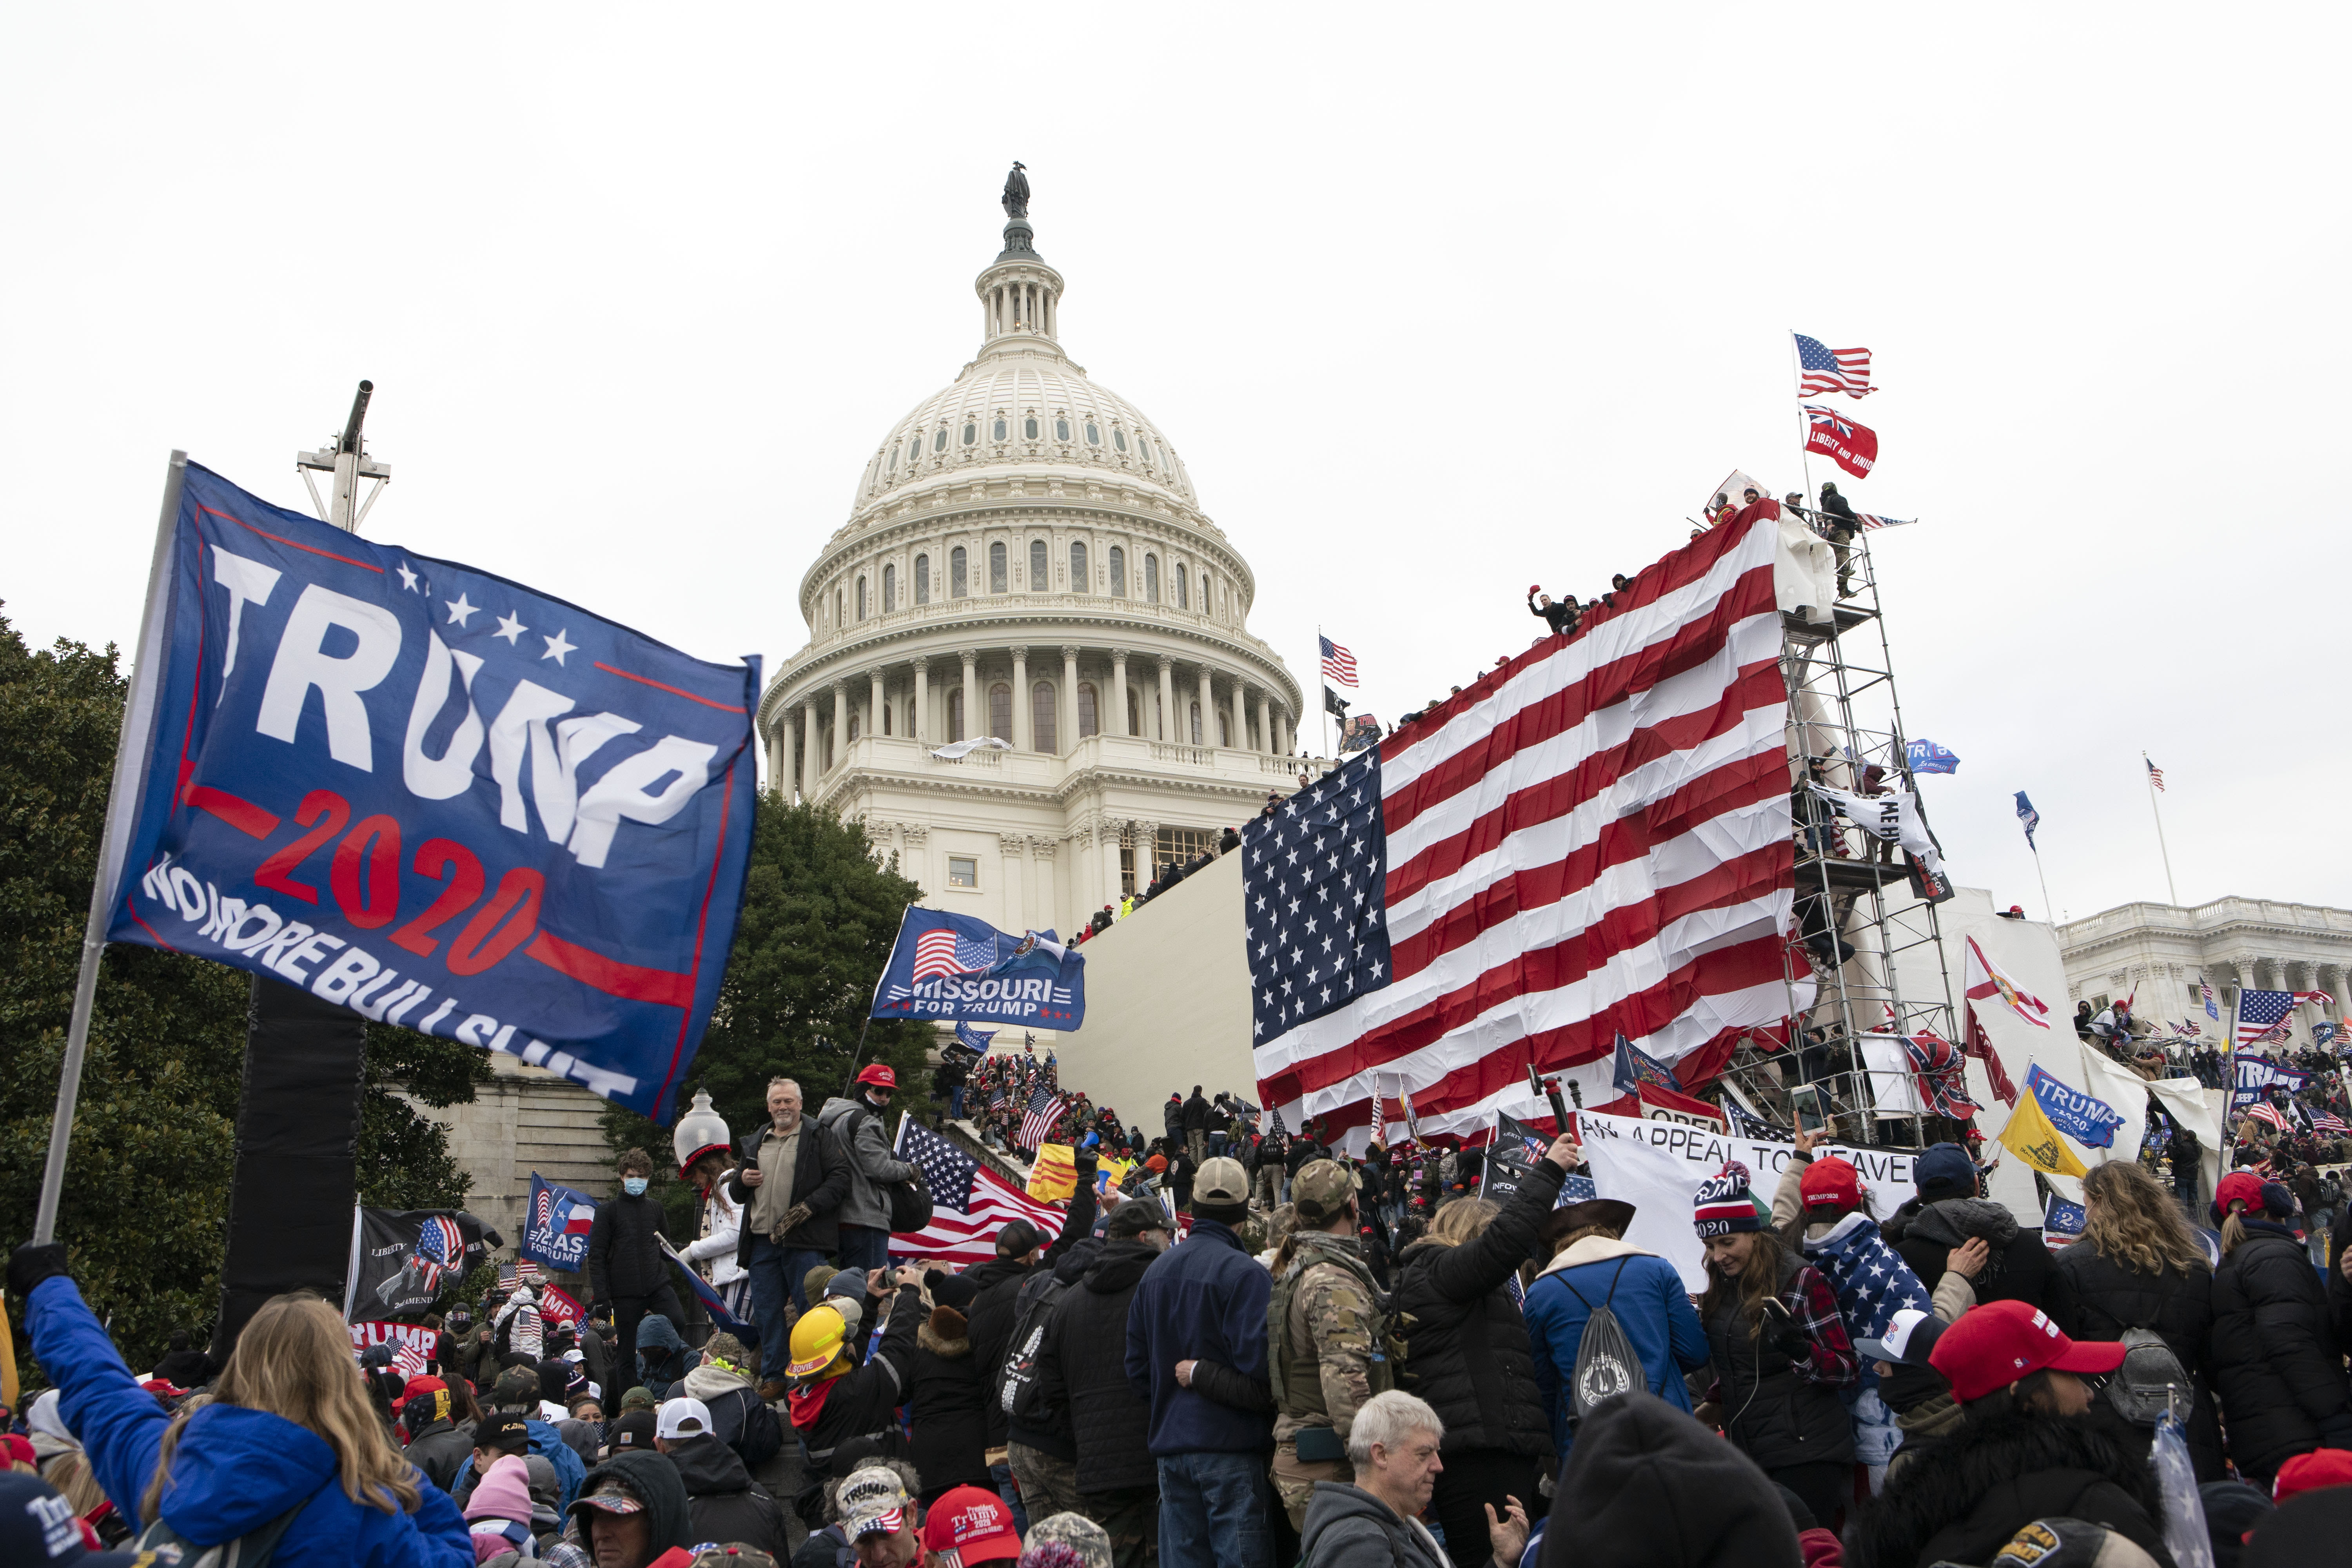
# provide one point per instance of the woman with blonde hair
(2139, 1266)
(2278, 1368)
(289, 1449)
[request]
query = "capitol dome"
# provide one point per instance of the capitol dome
(1026, 566)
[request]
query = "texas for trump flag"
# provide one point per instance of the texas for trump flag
(430, 795)
(1593, 839)
(1851, 446)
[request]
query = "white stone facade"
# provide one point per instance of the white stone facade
(1025, 558)
(2161, 952)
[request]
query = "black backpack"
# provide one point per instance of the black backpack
(910, 1201)
(1018, 1376)
(1606, 1365)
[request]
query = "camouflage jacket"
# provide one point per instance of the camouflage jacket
(1325, 1360)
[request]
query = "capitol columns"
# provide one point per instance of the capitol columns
(1019, 696)
(840, 723)
(780, 756)
(1068, 728)
(972, 711)
(1266, 723)
(1168, 727)
(808, 749)
(1207, 709)
(1116, 722)
(874, 705)
(922, 721)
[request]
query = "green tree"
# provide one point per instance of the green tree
(820, 913)
(147, 1181)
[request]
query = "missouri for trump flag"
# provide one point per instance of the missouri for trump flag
(1592, 840)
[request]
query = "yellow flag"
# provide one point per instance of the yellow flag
(1055, 1175)
(7, 1362)
(2032, 1138)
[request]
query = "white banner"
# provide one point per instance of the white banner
(1658, 1167)
(1894, 816)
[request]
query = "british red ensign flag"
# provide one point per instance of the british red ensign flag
(1594, 837)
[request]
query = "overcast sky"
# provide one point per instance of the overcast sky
(1434, 305)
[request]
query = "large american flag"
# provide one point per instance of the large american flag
(944, 951)
(2260, 1013)
(970, 1203)
(1045, 1108)
(2329, 1122)
(1593, 838)
(1338, 664)
(1831, 370)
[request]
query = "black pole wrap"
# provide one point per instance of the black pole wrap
(298, 1127)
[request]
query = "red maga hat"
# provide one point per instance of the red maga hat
(1994, 1345)
(880, 1074)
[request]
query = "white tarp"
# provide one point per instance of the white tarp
(1658, 1167)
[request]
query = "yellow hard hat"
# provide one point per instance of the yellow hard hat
(817, 1340)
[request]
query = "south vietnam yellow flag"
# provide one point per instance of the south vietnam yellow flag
(1055, 1175)
(2032, 1138)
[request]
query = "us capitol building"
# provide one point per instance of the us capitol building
(1026, 559)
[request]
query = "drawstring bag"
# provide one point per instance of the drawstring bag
(1606, 1365)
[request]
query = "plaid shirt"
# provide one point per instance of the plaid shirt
(1831, 1361)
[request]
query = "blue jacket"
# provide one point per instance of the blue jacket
(549, 1444)
(1202, 1299)
(1649, 1305)
(235, 1470)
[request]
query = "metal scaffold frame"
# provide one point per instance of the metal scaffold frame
(1852, 889)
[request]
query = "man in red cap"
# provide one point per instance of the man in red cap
(967, 1526)
(2022, 1450)
(859, 1127)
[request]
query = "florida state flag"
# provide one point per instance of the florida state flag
(1854, 447)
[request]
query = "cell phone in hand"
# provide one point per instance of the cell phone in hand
(1805, 1102)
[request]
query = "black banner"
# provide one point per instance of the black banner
(1512, 1153)
(404, 1260)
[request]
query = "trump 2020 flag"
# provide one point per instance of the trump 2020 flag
(555, 1230)
(953, 966)
(435, 796)
(1927, 757)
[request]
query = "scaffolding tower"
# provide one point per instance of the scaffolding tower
(1867, 965)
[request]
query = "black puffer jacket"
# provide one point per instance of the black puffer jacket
(1467, 1348)
(1960, 1496)
(1032, 1422)
(623, 1256)
(2277, 1364)
(723, 1502)
(993, 1308)
(1926, 1234)
(1082, 1373)
(944, 1401)
(2097, 1298)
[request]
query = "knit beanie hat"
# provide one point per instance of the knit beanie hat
(1723, 1205)
(503, 1492)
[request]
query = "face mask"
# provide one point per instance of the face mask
(633, 1185)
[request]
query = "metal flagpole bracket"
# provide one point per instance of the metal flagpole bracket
(131, 749)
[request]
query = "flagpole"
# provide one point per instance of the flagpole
(121, 806)
(2147, 767)
(1804, 431)
(2046, 911)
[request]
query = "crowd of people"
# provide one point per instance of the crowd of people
(1260, 1351)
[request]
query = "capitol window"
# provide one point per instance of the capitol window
(861, 598)
(914, 450)
(970, 431)
(886, 717)
(963, 871)
(939, 441)
(1119, 438)
(1117, 572)
(922, 579)
(1079, 582)
(892, 466)
(1000, 710)
(1151, 578)
(1061, 429)
(1183, 599)
(1029, 429)
(957, 584)
(1182, 846)
(999, 432)
(1087, 723)
(889, 589)
(955, 714)
(996, 568)
(1196, 725)
(1094, 437)
(1039, 576)
(1042, 713)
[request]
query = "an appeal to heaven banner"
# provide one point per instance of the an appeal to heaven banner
(438, 797)
(1658, 1167)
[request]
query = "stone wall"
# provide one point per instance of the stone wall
(525, 1120)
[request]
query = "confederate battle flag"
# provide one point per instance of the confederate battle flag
(1854, 447)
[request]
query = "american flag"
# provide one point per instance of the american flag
(2329, 1121)
(2188, 1028)
(1592, 838)
(1872, 1281)
(2155, 773)
(2260, 1013)
(970, 1203)
(2264, 1110)
(1831, 370)
(1338, 664)
(2212, 1008)
(409, 1359)
(1872, 520)
(948, 952)
(1045, 1108)
(2322, 997)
